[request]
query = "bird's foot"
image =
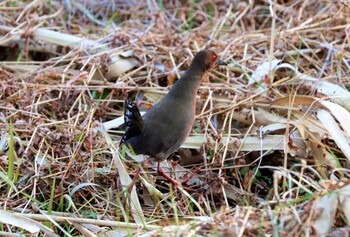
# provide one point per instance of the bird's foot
(191, 176)
(174, 181)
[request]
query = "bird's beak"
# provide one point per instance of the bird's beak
(220, 62)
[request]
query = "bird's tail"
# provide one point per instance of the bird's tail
(133, 120)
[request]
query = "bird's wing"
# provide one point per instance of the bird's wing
(164, 132)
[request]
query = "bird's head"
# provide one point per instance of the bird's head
(207, 59)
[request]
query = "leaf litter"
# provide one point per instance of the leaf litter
(271, 136)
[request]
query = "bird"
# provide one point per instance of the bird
(165, 127)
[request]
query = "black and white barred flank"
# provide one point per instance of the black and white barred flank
(133, 120)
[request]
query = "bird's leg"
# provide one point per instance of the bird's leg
(167, 177)
(137, 174)
(171, 180)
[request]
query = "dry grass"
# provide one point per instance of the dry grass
(272, 133)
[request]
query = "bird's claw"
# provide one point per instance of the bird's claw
(175, 182)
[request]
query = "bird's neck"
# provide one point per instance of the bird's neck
(186, 88)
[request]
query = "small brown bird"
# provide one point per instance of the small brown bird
(163, 128)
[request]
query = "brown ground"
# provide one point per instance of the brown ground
(272, 134)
